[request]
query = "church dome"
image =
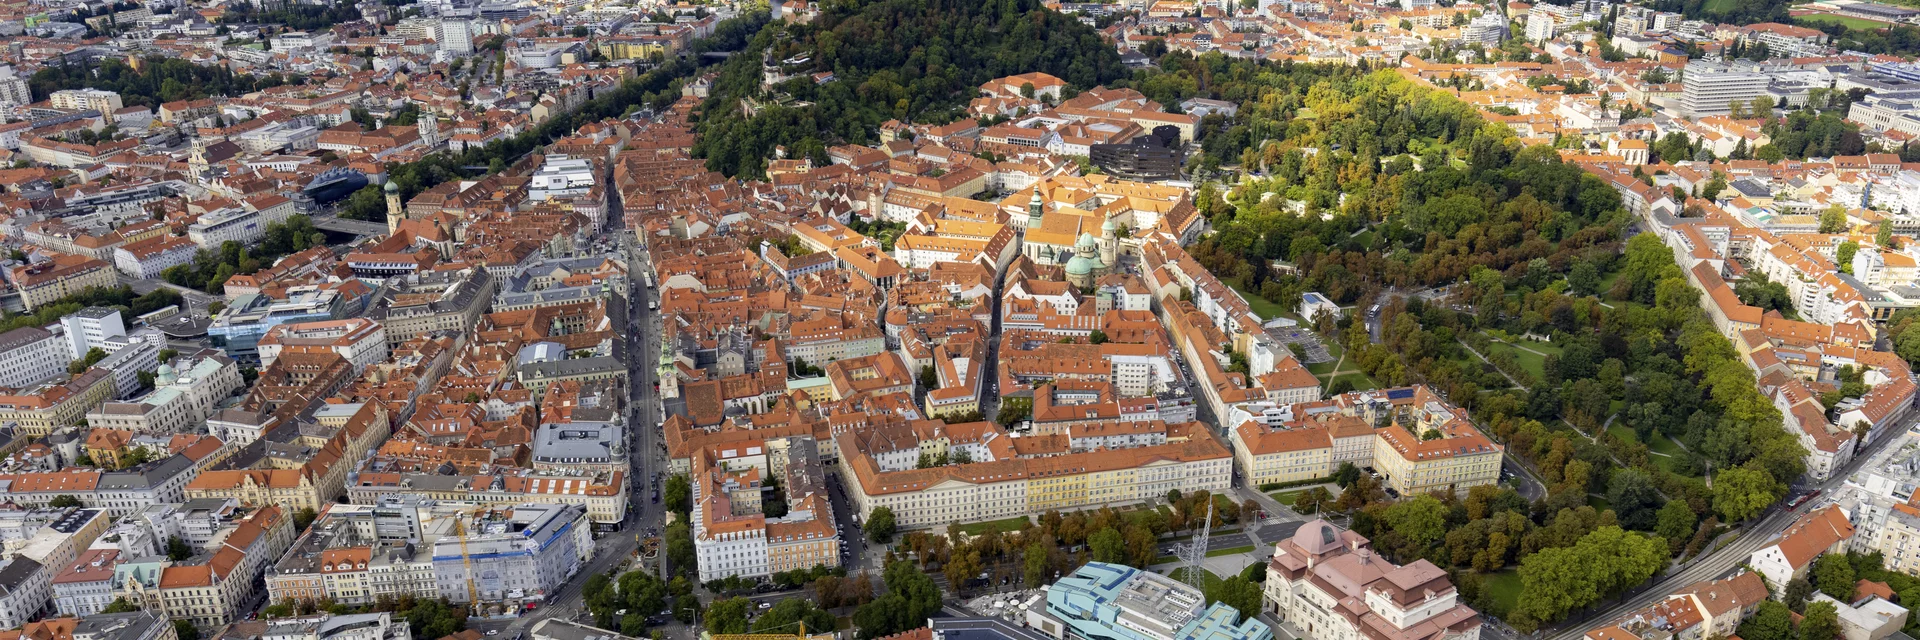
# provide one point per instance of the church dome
(392, 188)
(1087, 241)
(1081, 265)
(1109, 226)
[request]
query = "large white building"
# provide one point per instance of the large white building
(361, 341)
(246, 224)
(524, 557)
(456, 36)
(1331, 585)
(106, 102)
(1709, 88)
(181, 397)
(29, 355)
(561, 177)
(1003, 482)
(732, 536)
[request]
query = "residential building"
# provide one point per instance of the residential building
(732, 536)
(1703, 610)
(1818, 532)
(25, 591)
(105, 102)
(147, 258)
(211, 588)
(64, 275)
(86, 586)
(38, 410)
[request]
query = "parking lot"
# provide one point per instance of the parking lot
(1304, 343)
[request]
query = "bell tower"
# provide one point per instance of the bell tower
(394, 211)
(1035, 209)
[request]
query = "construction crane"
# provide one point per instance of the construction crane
(466, 560)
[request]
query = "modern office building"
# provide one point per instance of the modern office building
(1117, 602)
(239, 328)
(29, 355)
(1709, 88)
(1146, 158)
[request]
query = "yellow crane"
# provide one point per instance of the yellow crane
(466, 560)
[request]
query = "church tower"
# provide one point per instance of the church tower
(1034, 209)
(197, 162)
(1110, 243)
(430, 130)
(394, 212)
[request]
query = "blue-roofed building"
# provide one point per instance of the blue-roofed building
(1103, 601)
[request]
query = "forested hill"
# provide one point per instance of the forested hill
(914, 60)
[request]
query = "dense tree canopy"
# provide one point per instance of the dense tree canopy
(912, 60)
(911, 598)
(158, 80)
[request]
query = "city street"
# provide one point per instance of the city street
(645, 452)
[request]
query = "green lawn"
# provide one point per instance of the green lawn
(1266, 309)
(1229, 551)
(1503, 590)
(1334, 351)
(1661, 444)
(1365, 238)
(1849, 21)
(1166, 559)
(1533, 357)
(1535, 364)
(1286, 497)
(1598, 503)
(1134, 515)
(1360, 381)
(1666, 446)
(1621, 431)
(1008, 525)
(1209, 579)
(1606, 281)
(1720, 6)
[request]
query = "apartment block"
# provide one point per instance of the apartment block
(63, 276)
